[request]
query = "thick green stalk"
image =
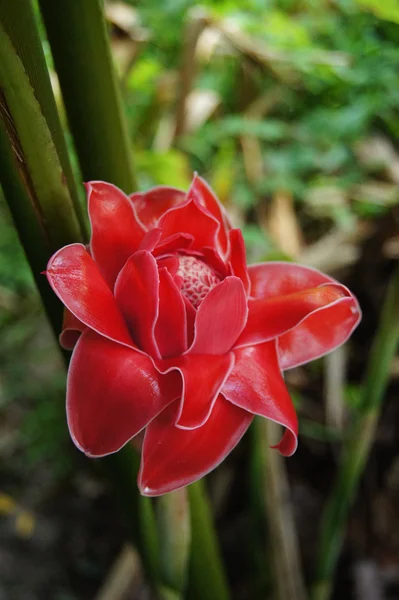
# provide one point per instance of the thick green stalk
(78, 38)
(122, 469)
(19, 22)
(358, 446)
(207, 580)
(31, 173)
(35, 153)
(174, 538)
(282, 543)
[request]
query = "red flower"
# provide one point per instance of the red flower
(177, 335)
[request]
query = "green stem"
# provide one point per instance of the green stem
(175, 536)
(79, 43)
(283, 547)
(207, 580)
(358, 446)
(19, 22)
(122, 469)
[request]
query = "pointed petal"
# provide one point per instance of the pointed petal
(171, 325)
(71, 330)
(237, 258)
(271, 317)
(189, 218)
(220, 318)
(151, 205)
(137, 295)
(115, 231)
(204, 195)
(203, 377)
(113, 393)
(322, 331)
(257, 386)
(173, 457)
(75, 278)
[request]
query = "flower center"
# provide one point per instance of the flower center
(197, 279)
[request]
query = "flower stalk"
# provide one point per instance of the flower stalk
(207, 579)
(79, 42)
(174, 529)
(359, 443)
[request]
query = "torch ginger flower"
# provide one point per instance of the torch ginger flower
(173, 332)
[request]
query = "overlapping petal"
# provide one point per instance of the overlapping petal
(71, 330)
(256, 385)
(113, 393)
(190, 219)
(203, 376)
(137, 295)
(324, 328)
(151, 205)
(171, 325)
(200, 191)
(115, 230)
(272, 317)
(220, 318)
(237, 258)
(173, 457)
(321, 332)
(273, 279)
(75, 278)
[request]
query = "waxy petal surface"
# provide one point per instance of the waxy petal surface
(137, 294)
(220, 318)
(272, 317)
(115, 231)
(203, 376)
(190, 219)
(151, 205)
(113, 393)
(273, 279)
(173, 457)
(320, 333)
(171, 325)
(237, 258)
(256, 385)
(201, 191)
(75, 278)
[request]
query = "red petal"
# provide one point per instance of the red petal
(151, 205)
(71, 330)
(190, 219)
(220, 318)
(203, 377)
(137, 294)
(113, 392)
(237, 258)
(272, 279)
(174, 243)
(75, 278)
(257, 386)
(171, 326)
(212, 259)
(151, 239)
(271, 317)
(173, 457)
(115, 231)
(321, 332)
(204, 195)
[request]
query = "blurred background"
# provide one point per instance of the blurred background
(290, 110)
